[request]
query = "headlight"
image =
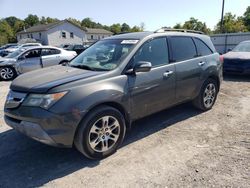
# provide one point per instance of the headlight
(43, 101)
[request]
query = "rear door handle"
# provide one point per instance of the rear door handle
(202, 63)
(167, 74)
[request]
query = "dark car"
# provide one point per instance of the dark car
(92, 102)
(3, 51)
(237, 61)
(78, 48)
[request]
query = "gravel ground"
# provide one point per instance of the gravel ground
(180, 147)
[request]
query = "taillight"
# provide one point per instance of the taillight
(221, 58)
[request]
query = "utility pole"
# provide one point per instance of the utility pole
(222, 17)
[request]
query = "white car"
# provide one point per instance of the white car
(25, 60)
(26, 45)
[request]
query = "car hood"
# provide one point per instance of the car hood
(40, 81)
(237, 55)
(4, 61)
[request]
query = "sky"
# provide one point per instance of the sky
(153, 13)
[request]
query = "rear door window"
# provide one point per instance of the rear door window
(48, 51)
(202, 48)
(183, 48)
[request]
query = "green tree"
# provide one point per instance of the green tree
(31, 20)
(246, 18)
(115, 28)
(125, 28)
(43, 20)
(18, 26)
(178, 26)
(87, 22)
(75, 21)
(6, 33)
(51, 20)
(193, 24)
(135, 29)
(231, 24)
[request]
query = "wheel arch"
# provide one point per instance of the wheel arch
(113, 104)
(216, 78)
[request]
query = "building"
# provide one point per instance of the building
(55, 34)
(226, 41)
(94, 35)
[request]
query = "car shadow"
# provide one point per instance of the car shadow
(236, 78)
(27, 163)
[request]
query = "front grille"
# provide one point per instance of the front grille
(14, 99)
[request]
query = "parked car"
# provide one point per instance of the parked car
(34, 58)
(11, 48)
(237, 61)
(3, 51)
(7, 46)
(64, 46)
(78, 48)
(92, 102)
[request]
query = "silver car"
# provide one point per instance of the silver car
(25, 60)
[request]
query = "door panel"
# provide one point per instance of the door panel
(188, 66)
(30, 64)
(188, 74)
(152, 91)
(50, 57)
(50, 60)
(31, 61)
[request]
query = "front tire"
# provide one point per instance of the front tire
(207, 96)
(100, 133)
(7, 73)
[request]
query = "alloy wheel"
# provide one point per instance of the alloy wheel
(6, 73)
(209, 95)
(104, 133)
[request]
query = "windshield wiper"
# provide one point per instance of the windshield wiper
(83, 67)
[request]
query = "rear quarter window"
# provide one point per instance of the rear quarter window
(202, 48)
(183, 48)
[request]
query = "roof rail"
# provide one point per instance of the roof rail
(165, 29)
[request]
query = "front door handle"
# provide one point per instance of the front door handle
(167, 74)
(202, 63)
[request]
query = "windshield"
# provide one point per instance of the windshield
(104, 55)
(242, 47)
(14, 54)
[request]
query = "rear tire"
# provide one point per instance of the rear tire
(101, 133)
(7, 73)
(207, 96)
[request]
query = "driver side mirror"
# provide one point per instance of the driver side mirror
(140, 66)
(229, 50)
(21, 58)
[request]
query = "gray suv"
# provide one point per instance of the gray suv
(91, 102)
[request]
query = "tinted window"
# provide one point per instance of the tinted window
(32, 54)
(49, 52)
(155, 51)
(183, 48)
(202, 48)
